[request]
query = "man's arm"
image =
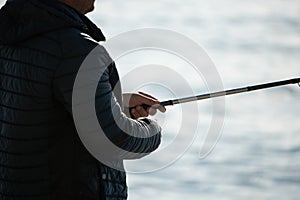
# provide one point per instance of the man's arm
(140, 137)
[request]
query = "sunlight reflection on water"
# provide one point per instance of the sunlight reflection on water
(250, 42)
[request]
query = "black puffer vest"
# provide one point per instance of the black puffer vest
(42, 44)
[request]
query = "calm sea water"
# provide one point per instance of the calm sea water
(258, 154)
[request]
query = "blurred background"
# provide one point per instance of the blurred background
(250, 42)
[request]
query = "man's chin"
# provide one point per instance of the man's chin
(90, 9)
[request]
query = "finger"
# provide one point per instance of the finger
(147, 100)
(148, 95)
(152, 110)
(162, 108)
(141, 111)
(159, 107)
(134, 113)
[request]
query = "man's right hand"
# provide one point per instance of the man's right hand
(141, 104)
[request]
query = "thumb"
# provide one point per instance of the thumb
(147, 99)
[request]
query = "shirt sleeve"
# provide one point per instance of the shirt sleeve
(133, 138)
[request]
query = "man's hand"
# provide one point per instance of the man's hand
(134, 102)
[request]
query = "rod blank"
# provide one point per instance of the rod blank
(230, 92)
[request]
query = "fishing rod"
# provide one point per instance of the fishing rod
(224, 93)
(228, 92)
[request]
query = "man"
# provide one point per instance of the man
(42, 45)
